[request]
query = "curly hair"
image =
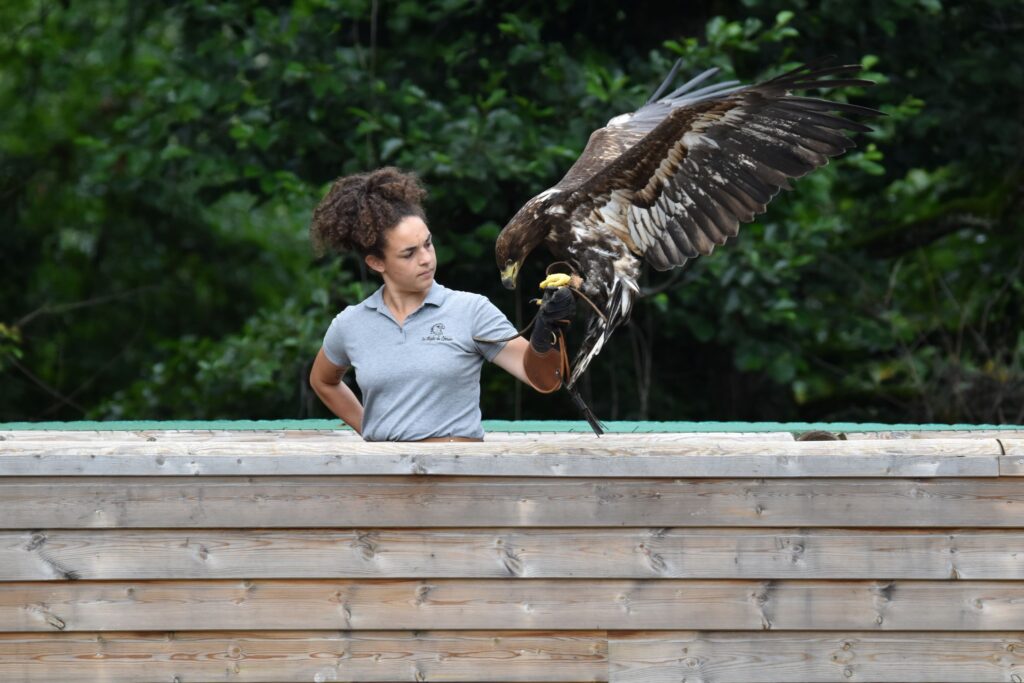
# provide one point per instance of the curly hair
(359, 209)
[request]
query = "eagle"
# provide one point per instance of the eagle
(673, 180)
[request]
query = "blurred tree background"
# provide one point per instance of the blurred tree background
(159, 162)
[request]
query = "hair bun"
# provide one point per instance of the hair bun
(394, 185)
(359, 209)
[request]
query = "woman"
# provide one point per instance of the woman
(415, 344)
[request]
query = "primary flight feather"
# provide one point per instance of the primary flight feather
(673, 180)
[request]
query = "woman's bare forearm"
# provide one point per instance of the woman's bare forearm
(341, 401)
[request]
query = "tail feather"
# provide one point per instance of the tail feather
(585, 410)
(593, 342)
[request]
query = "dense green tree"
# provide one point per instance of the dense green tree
(159, 162)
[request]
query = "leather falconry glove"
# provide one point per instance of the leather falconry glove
(546, 363)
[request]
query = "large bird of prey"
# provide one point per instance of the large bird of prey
(673, 180)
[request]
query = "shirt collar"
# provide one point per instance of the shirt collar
(435, 297)
(375, 300)
(437, 294)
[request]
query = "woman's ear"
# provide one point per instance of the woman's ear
(376, 263)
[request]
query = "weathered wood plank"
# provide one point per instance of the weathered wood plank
(154, 435)
(581, 457)
(936, 434)
(1012, 447)
(499, 553)
(580, 465)
(816, 657)
(593, 604)
(1012, 464)
(303, 656)
(206, 502)
(291, 435)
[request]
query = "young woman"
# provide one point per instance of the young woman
(416, 345)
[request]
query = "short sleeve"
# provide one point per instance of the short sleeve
(334, 343)
(490, 323)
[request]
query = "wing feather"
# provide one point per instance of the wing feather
(736, 204)
(658, 259)
(809, 147)
(683, 245)
(803, 130)
(756, 164)
(714, 225)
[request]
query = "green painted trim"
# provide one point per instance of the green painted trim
(621, 427)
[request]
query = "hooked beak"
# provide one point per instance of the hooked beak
(508, 275)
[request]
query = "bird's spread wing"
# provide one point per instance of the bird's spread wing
(675, 179)
(623, 132)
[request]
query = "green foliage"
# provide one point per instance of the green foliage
(160, 162)
(10, 345)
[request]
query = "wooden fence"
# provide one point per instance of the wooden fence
(296, 556)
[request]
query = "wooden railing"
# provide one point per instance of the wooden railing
(292, 556)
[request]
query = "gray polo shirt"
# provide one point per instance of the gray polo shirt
(422, 378)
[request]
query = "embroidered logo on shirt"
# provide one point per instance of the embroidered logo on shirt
(437, 333)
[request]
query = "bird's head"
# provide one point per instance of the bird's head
(523, 234)
(510, 251)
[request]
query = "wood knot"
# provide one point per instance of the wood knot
(365, 545)
(818, 435)
(423, 593)
(654, 560)
(36, 541)
(512, 562)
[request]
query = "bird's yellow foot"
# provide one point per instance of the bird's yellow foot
(556, 280)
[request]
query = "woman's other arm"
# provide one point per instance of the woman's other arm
(325, 378)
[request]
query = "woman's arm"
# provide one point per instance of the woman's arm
(325, 378)
(511, 359)
(542, 371)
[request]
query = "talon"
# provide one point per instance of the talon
(556, 280)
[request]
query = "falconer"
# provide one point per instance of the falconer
(416, 346)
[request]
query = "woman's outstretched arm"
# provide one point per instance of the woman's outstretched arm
(540, 371)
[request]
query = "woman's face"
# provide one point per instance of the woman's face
(409, 261)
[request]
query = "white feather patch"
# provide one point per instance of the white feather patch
(694, 140)
(612, 212)
(620, 120)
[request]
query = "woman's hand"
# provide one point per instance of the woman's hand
(555, 315)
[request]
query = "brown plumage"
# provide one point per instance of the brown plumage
(673, 180)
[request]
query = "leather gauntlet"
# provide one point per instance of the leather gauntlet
(545, 370)
(545, 362)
